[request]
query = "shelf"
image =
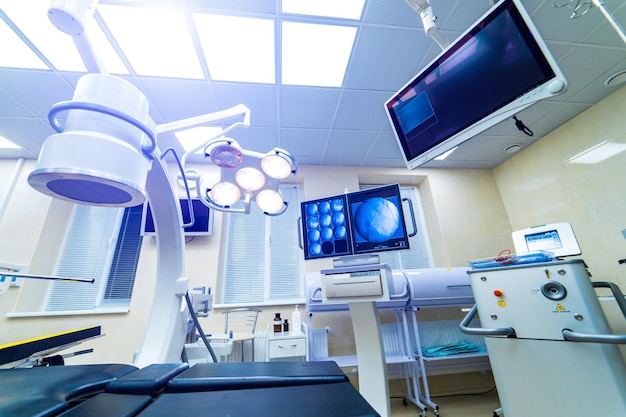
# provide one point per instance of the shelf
(351, 360)
(454, 357)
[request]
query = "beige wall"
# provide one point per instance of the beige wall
(540, 186)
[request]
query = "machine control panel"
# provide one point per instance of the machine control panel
(356, 283)
(538, 301)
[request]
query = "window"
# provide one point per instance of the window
(418, 256)
(102, 244)
(262, 261)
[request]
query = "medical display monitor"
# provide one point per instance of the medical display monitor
(377, 220)
(325, 227)
(557, 238)
(203, 219)
(354, 223)
(495, 69)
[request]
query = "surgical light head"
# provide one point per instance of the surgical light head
(247, 175)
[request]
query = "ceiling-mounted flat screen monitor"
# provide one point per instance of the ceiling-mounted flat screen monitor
(496, 68)
(203, 219)
(356, 223)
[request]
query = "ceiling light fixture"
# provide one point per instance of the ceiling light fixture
(247, 176)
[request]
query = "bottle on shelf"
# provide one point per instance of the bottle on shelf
(286, 326)
(296, 321)
(278, 323)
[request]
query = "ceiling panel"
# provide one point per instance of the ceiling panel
(345, 125)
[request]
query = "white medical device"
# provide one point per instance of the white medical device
(551, 349)
(357, 283)
(557, 238)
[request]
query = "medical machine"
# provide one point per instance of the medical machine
(551, 348)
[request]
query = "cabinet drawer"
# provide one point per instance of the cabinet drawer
(284, 348)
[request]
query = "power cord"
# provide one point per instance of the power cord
(522, 127)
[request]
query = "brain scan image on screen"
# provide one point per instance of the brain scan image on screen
(326, 227)
(376, 220)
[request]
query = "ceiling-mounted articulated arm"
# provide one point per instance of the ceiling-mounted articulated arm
(424, 9)
(238, 111)
(72, 17)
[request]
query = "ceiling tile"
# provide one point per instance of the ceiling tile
(308, 107)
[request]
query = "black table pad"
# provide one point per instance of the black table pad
(47, 391)
(244, 375)
(329, 400)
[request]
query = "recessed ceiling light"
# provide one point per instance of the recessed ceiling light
(237, 48)
(315, 54)
(7, 144)
(31, 17)
(615, 79)
(14, 53)
(347, 9)
(156, 42)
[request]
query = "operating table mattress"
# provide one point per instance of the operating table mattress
(276, 389)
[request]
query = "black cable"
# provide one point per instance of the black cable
(465, 394)
(521, 126)
(196, 323)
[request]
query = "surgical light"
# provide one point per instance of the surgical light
(247, 176)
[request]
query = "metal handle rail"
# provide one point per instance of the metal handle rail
(464, 326)
(601, 338)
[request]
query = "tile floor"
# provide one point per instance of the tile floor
(469, 405)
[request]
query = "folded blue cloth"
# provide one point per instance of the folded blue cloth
(452, 349)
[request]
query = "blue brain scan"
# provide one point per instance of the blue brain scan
(377, 220)
(314, 235)
(327, 233)
(312, 222)
(311, 209)
(337, 204)
(325, 223)
(341, 232)
(326, 220)
(324, 207)
(315, 249)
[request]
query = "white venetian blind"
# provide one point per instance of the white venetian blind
(87, 253)
(262, 260)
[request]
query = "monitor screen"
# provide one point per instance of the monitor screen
(495, 69)
(356, 223)
(377, 220)
(558, 238)
(548, 241)
(325, 227)
(203, 219)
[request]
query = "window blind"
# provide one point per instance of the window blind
(102, 244)
(262, 260)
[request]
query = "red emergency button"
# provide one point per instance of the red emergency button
(498, 293)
